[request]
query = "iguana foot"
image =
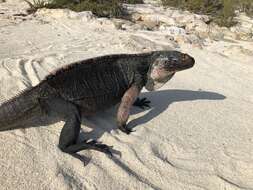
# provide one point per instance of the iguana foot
(82, 158)
(92, 145)
(125, 129)
(100, 147)
(142, 103)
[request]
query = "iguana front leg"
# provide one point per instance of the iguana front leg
(124, 109)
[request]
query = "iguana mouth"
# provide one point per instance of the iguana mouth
(184, 67)
(186, 63)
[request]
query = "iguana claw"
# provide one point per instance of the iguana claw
(98, 146)
(125, 129)
(142, 103)
(101, 147)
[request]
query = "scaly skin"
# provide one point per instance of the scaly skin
(85, 87)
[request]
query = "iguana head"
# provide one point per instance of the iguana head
(164, 65)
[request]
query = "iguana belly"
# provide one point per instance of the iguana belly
(89, 106)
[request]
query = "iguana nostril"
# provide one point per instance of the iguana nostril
(192, 60)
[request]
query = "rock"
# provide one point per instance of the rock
(181, 39)
(236, 50)
(168, 21)
(196, 40)
(134, 27)
(141, 44)
(65, 13)
(204, 18)
(121, 24)
(192, 39)
(153, 2)
(162, 19)
(228, 34)
(244, 28)
(105, 22)
(148, 24)
(152, 22)
(175, 13)
(242, 33)
(215, 32)
(84, 16)
(181, 23)
(199, 27)
(185, 19)
(139, 8)
(56, 13)
(170, 38)
(172, 30)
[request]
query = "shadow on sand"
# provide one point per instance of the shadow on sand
(160, 101)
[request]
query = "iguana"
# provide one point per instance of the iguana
(85, 87)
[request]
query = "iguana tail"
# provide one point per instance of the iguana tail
(19, 109)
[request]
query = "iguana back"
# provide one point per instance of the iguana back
(96, 84)
(93, 84)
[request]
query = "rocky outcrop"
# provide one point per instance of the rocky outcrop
(244, 28)
(183, 26)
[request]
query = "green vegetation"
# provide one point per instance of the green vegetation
(105, 8)
(36, 4)
(245, 6)
(221, 11)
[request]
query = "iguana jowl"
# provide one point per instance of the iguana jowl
(85, 87)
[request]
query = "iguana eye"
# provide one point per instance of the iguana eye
(174, 60)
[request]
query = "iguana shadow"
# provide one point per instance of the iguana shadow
(160, 101)
(105, 121)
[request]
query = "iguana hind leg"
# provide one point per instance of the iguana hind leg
(71, 129)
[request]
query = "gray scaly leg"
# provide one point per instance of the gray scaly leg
(124, 109)
(71, 129)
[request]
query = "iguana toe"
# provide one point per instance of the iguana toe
(103, 148)
(142, 103)
(125, 129)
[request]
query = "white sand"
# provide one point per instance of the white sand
(197, 135)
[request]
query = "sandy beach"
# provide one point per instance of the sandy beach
(197, 135)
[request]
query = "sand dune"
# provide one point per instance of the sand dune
(198, 133)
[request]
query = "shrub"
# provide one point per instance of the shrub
(35, 4)
(227, 14)
(221, 11)
(198, 6)
(245, 6)
(102, 8)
